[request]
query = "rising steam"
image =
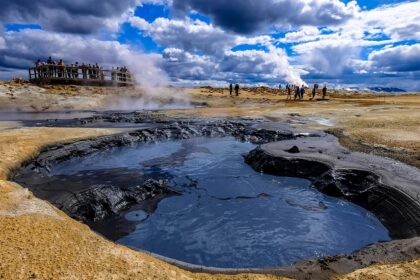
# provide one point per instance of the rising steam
(152, 90)
(283, 69)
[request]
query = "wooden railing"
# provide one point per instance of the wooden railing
(49, 74)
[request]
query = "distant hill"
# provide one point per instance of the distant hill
(378, 89)
(386, 89)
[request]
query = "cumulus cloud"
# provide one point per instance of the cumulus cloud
(305, 34)
(194, 35)
(248, 16)
(398, 21)
(195, 50)
(399, 59)
(70, 16)
(189, 35)
(181, 65)
(249, 66)
(337, 51)
(331, 60)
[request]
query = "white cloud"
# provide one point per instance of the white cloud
(248, 66)
(400, 59)
(189, 35)
(305, 34)
(78, 17)
(338, 50)
(249, 16)
(398, 21)
(2, 43)
(139, 23)
(198, 50)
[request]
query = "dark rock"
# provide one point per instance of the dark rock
(171, 130)
(396, 210)
(293, 150)
(101, 201)
(262, 162)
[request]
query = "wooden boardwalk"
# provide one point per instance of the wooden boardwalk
(54, 74)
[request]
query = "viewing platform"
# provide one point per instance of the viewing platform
(81, 75)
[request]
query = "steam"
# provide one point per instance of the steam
(283, 69)
(152, 90)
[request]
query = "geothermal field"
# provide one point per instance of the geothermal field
(209, 140)
(195, 183)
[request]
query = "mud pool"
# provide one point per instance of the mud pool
(227, 215)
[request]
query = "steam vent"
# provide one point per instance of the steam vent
(210, 140)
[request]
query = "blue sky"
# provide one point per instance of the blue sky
(343, 43)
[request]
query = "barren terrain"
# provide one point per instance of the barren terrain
(38, 241)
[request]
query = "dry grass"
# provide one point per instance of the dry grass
(407, 271)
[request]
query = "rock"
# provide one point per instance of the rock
(101, 201)
(170, 130)
(397, 211)
(293, 150)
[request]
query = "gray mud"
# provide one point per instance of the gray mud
(94, 202)
(387, 188)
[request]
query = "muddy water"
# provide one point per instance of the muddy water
(228, 215)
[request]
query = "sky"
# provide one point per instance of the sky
(200, 42)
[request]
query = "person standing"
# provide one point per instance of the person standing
(84, 71)
(61, 69)
(314, 90)
(113, 74)
(101, 73)
(289, 92)
(76, 70)
(237, 90)
(90, 71)
(50, 67)
(230, 89)
(324, 91)
(37, 71)
(302, 91)
(297, 92)
(69, 71)
(96, 66)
